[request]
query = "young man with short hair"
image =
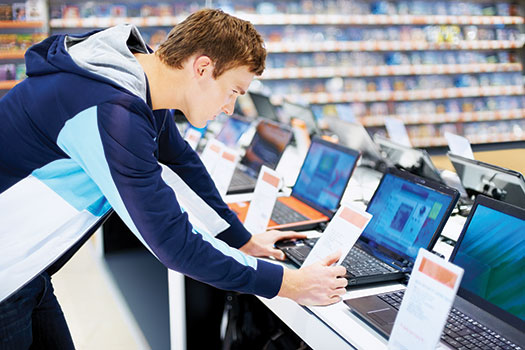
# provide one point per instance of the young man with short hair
(87, 132)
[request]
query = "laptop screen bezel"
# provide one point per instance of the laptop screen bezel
(339, 147)
(281, 126)
(494, 310)
(434, 185)
(457, 160)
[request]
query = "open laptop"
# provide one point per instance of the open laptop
(489, 310)
(409, 212)
(266, 148)
(316, 195)
(415, 160)
(304, 113)
(491, 180)
(264, 107)
(355, 136)
(232, 130)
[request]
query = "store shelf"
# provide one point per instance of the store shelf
(21, 24)
(103, 22)
(440, 118)
(343, 97)
(334, 46)
(8, 84)
(328, 72)
(474, 139)
(12, 55)
(300, 19)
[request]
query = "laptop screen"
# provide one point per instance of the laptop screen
(325, 174)
(232, 131)
(267, 145)
(491, 250)
(406, 215)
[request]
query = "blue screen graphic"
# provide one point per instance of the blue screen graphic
(324, 175)
(492, 253)
(406, 215)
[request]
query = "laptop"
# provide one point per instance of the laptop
(491, 180)
(489, 309)
(304, 113)
(354, 135)
(415, 160)
(264, 107)
(409, 212)
(316, 195)
(266, 148)
(232, 130)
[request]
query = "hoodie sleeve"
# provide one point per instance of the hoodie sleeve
(115, 147)
(175, 152)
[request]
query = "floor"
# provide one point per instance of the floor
(95, 309)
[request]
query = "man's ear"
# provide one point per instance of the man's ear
(202, 66)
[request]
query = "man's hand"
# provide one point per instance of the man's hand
(316, 284)
(262, 244)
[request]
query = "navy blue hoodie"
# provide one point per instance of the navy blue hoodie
(77, 142)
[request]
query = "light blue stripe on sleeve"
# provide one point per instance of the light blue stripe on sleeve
(68, 179)
(80, 139)
(224, 248)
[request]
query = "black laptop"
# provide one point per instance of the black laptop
(409, 212)
(264, 107)
(489, 310)
(491, 180)
(266, 148)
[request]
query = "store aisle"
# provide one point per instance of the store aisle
(93, 305)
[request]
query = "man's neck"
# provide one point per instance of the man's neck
(163, 81)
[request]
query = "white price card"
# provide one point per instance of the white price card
(193, 137)
(211, 154)
(263, 201)
(427, 302)
(397, 131)
(340, 235)
(223, 172)
(459, 145)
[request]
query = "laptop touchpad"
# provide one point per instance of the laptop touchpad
(383, 316)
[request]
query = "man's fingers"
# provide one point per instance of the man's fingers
(331, 259)
(278, 254)
(288, 235)
(340, 282)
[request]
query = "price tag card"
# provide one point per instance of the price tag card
(224, 168)
(341, 234)
(397, 131)
(459, 145)
(263, 200)
(211, 154)
(428, 299)
(193, 137)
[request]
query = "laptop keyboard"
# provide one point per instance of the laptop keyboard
(240, 178)
(283, 214)
(358, 263)
(461, 332)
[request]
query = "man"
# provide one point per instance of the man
(86, 131)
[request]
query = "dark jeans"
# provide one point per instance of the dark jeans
(32, 319)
